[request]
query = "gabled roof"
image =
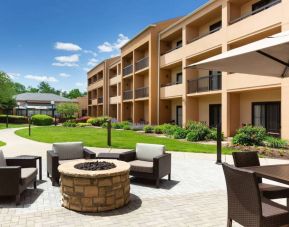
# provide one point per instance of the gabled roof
(41, 97)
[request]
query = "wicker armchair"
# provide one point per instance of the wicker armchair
(148, 161)
(270, 191)
(65, 152)
(245, 205)
(16, 175)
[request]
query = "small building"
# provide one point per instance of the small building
(29, 104)
(83, 104)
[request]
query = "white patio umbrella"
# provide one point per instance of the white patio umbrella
(268, 57)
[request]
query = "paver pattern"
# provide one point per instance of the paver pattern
(196, 196)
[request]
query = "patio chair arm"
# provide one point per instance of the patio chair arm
(10, 177)
(162, 165)
(22, 162)
(127, 156)
(52, 162)
(88, 154)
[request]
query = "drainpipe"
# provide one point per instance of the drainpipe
(158, 95)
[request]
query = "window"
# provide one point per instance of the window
(214, 115)
(179, 78)
(267, 115)
(179, 115)
(215, 81)
(261, 4)
(179, 44)
(215, 26)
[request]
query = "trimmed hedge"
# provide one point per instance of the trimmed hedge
(41, 119)
(14, 119)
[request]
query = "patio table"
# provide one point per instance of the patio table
(279, 173)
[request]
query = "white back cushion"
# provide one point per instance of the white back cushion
(69, 150)
(2, 159)
(147, 152)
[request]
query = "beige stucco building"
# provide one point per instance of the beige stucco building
(155, 87)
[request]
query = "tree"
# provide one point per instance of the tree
(32, 89)
(7, 91)
(67, 110)
(19, 88)
(73, 94)
(45, 87)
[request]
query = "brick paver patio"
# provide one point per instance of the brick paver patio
(196, 195)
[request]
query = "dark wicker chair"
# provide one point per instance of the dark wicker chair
(245, 205)
(149, 161)
(270, 191)
(64, 152)
(16, 174)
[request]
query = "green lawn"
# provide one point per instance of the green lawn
(2, 144)
(3, 125)
(94, 137)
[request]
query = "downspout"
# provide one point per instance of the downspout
(158, 95)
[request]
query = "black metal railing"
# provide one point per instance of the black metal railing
(168, 51)
(171, 84)
(127, 94)
(208, 83)
(100, 99)
(127, 70)
(141, 92)
(254, 11)
(204, 34)
(142, 63)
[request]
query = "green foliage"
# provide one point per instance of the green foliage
(120, 125)
(148, 129)
(98, 121)
(198, 131)
(7, 91)
(180, 133)
(14, 119)
(249, 136)
(19, 88)
(73, 94)
(69, 124)
(67, 110)
(213, 134)
(158, 129)
(274, 142)
(127, 127)
(41, 119)
(81, 125)
(169, 129)
(193, 136)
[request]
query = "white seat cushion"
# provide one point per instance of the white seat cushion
(141, 166)
(70, 150)
(147, 152)
(2, 159)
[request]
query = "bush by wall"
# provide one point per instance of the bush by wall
(250, 136)
(274, 142)
(14, 119)
(199, 131)
(158, 129)
(148, 129)
(120, 125)
(69, 124)
(82, 125)
(98, 121)
(41, 119)
(180, 133)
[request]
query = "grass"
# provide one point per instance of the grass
(2, 144)
(3, 125)
(95, 137)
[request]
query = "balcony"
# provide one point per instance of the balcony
(204, 35)
(89, 101)
(114, 100)
(267, 6)
(203, 84)
(142, 92)
(127, 70)
(141, 64)
(127, 95)
(100, 100)
(172, 90)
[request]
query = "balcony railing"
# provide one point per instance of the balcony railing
(171, 84)
(203, 84)
(254, 11)
(127, 70)
(203, 35)
(89, 101)
(141, 64)
(100, 99)
(127, 94)
(168, 51)
(141, 92)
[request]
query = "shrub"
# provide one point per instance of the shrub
(69, 124)
(82, 119)
(250, 135)
(148, 129)
(41, 119)
(169, 129)
(201, 131)
(98, 121)
(67, 110)
(180, 133)
(127, 127)
(81, 125)
(193, 136)
(14, 119)
(274, 142)
(213, 134)
(158, 129)
(120, 125)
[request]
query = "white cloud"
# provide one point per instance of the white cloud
(94, 54)
(67, 46)
(92, 62)
(65, 64)
(85, 69)
(13, 76)
(70, 59)
(65, 75)
(41, 78)
(109, 47)
(79, 84)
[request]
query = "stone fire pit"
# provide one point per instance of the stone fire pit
(94, 190)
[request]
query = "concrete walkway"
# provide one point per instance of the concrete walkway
(196, 196)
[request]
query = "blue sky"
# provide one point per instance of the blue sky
(59, 40)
